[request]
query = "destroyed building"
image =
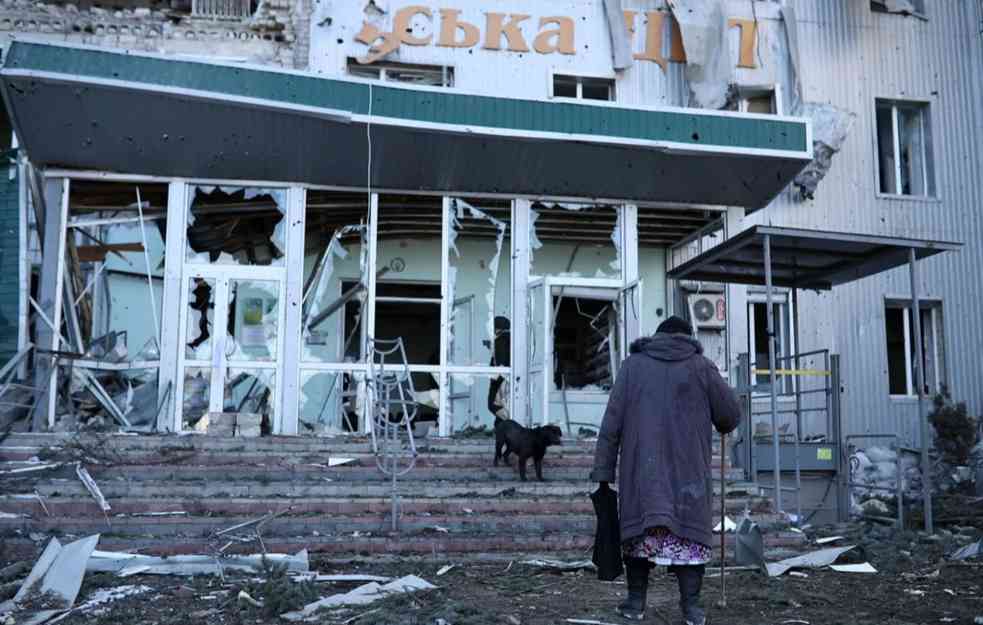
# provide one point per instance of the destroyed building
(219, 207)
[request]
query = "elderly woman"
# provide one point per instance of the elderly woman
(658, 419)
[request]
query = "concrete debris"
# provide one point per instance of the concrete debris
(234, 424)
(830, 127)
(337, 462)
(57, 573)
(864, 567)
(341, 578)
(126, 564)
(703, 26)
(363, 595)
(92, 487)
(102, 597)
(749, 549)
(560, 565)
(828, 539)
(971, 550)
(444, 570)
(813, 560)
(38, 467)
(245, 598)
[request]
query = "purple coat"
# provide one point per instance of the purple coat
(663, 404)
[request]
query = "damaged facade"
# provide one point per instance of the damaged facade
(254, 275)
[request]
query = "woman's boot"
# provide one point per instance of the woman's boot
(637, 573)
(690, 579)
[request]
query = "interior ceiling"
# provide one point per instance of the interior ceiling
(406, 216)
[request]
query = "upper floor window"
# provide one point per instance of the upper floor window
(901, 354)
(764, 101)
(583, 87)
(904, 7)
(429, 75)
(904, 155)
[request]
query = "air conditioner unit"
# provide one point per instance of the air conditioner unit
(708, 310)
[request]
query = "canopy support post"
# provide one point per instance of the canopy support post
(916, 317)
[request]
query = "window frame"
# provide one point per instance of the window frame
(745, 93)
(382, 67)
(924, 108)
(580, 76)
(936, 319)
(920, 13)
(783, 299)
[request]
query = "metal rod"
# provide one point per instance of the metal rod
(916, 314)
(769, 288)
(150, 279)
(723, 523)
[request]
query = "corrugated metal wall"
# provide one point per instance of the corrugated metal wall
(851, 56)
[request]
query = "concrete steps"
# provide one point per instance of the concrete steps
(171, 494)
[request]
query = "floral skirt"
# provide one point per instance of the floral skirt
(664, 548)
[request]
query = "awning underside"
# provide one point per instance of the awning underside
(805, 259)
(106, 115)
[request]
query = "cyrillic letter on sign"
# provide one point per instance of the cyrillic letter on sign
(450, 25)
(495, 27)
(560, 39)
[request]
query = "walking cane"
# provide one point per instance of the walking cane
(723, 528)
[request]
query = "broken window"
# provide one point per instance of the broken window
(475, 400)
(197, 390)
(236, 226)
(480, 276)
(253, 321)
(585, 334)
(575, 240)
(251, 391)
(331, 401)
(901, 354)
(904, 148)
(903, 7)
(428, 75)
(583, 87)
(757, 320)
(335, 276)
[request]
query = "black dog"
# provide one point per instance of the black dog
(510, 437)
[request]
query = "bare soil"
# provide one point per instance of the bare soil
(915, 589)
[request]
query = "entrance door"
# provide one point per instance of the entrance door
(233, 344)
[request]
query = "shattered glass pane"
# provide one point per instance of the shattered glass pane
(201, 312)
(250, 391)
(911, 142)
(331, 402)
(585, 335)
(481, 284)
(475, 400)
(575, 240)
(197, 383)
(254, 320)
(885, 149)
(236, 226)
(335, 277)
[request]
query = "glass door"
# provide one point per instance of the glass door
(232, 333)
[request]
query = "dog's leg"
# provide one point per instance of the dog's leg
(506, 453)
(539, 468)
(522, 467)
(498, 452)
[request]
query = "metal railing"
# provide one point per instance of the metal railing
(222, 9)
(391, 406)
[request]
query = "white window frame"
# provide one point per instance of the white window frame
(383, 67)
(934, 308)
(921, 14)
(928, 151)
(580, 76)
(784, 300)
(747, 92)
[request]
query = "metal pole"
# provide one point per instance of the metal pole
(771, 374)
(723, 520)
(916, 315)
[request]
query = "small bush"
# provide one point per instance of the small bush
(279, 593)
(956, 431)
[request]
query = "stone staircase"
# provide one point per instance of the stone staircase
(171, 494)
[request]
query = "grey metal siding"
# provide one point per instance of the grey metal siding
(850, 57)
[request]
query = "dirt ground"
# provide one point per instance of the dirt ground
(913, 586)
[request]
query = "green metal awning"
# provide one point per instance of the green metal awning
(86, 108)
